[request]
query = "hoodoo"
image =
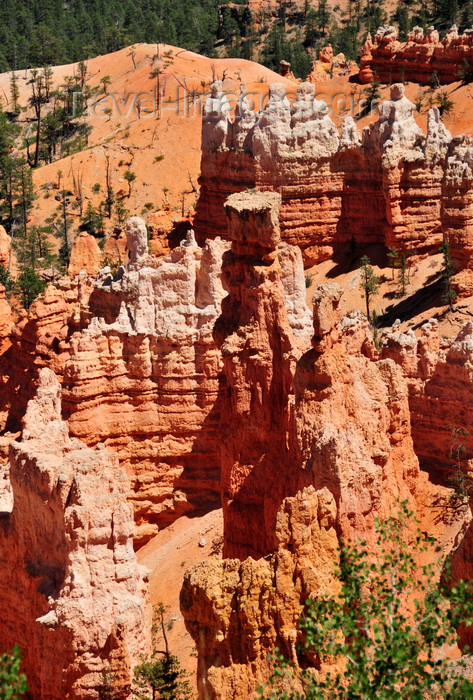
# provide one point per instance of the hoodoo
(76, 594)
(317, 443)
(423, 58)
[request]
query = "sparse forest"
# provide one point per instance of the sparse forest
(48, 32)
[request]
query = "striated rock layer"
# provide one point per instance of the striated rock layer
(310, 396)
(392, 184)
(439, 374)
(259, 351)
(147, 384)
(423, 58)
(40, 338)
(76, 595)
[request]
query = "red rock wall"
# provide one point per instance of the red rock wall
(421, 59)
(439, 375)
(457, 205)
(148, 384)
(413, 193)
(151, 395)
(311, 400)
(298, 423)
(385, 186)
(40, 339)
(238, 611)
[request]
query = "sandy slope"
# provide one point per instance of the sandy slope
(162, 146)
(168, 555)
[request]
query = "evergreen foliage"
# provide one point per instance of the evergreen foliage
(449, 294)
(278, 48)
(369, 283)
(50, 32)
(160, 676)
(30, 286)
(33, 249)
(5, 279)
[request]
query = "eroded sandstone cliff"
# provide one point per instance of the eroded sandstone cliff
(39, 338)
(207, 375)
(238, 611)
(73, 595)
(147, 384)
(302, 424)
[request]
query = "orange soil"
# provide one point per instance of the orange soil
(412, 309)
(164, 153)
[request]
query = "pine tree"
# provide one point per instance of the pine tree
(19, 197)
(160, 676)
(130, 177)
(369, 283)
(323, 16)
(449, 294)
(60, 223)
(30, 285)
(93, 220)
(33, 249)
(393, 255)
(37, 100)
(402, 276)
(14, 93)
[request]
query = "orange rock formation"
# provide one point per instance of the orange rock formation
(4, 247)
(76, 595)
(237, 611)
(145, 381)
(422, 59)
(301, 427)
(207, 375)
(85, 255)
(40, 338)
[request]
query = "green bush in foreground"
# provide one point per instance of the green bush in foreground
(387, 633)
(12, 683)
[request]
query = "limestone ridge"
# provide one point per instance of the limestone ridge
(68, 568)
(420, 59)
(390, 184)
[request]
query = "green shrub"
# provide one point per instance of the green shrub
(13, 684)
(386, 633)
(30, 285)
